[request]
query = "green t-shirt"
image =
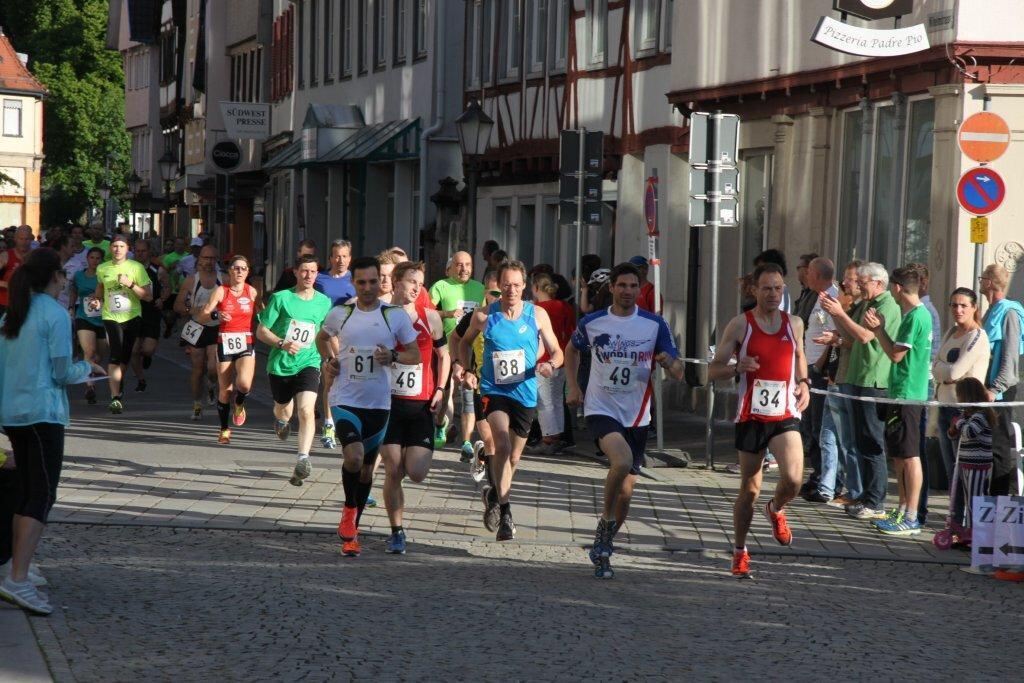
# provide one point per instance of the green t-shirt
(450, 294)
(121, 304)
(909, 377)
(293, 318)
(869, 366)
(171, 260)
(104, 245)
(856, 314)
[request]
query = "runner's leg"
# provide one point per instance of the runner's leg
(620, 461)
(394, 472)
(789, 453)
(305, 406)
(750, 488)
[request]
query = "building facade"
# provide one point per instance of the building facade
(21, 138)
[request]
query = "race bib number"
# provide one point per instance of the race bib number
(233, 342)
(466, 307)
(362, 366)
(769, 398)
(89, 311)
(191, 332)
(617, 374)
(509, 366)
(406, 380)
(301, 333)
(118, 302)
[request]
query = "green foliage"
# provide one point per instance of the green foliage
(84, 111)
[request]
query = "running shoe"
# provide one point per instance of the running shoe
(770, 466)
(25, 595)
(603, 569)
(140, 385)
(197, 411)
(327, 440)
(238, 415)
(602, 547)
(116, 406)
(478, 470)
(780, 527)
(491, 509)
(282, 429)
(225, 437)
(466, 453)
(862, 511)
(90, 395)
(441, 434)
(303, 469)
(733, 468)
(33, 575)
(371, 502)
(741, 564)
(506, 528)
(904, 527)
(396, 543)
(211, 397)
(347, 528)
(893, 517)
(351, 548)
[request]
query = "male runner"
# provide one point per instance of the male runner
(170, 261)
(234, 304)
(289, 325)
(455, 296)
(336, 283)
(359, 341)
(772, 372)
(512, 329)
(152, 312)
(416, 393)
(625, 342)
(201, 338)
(121, 286)
(98, 239)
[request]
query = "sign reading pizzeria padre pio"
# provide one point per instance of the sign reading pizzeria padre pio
(871, 42)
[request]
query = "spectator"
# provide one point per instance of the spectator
(336, 280)
(973, 429)
(1004, 325)
(819, 279)
(551, 390)
(910, 352)
(808, 298)
(646, 299)
(287, 278)
(868, 376)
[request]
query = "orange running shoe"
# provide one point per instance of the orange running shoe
(347, 526)
(238, 415)
(351, 548)
(741, 563)
(225, 436)
(780, 528)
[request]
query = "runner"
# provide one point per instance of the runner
(625, 342)
(152, 312)
(512, 329)
(234, 304)
(98, 239)
(358, 343)
(170, 262)
(121, 287)
(415, 394)
(289, 325)
(336, 283)
(200, 339)
(287, 277)
(483, 448)
(11, 259)
(88, 323)
(454, 297)
(768, 346)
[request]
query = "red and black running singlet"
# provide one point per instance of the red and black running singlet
(767, 394)
(13, 262)
(416, 382)
(240, 308)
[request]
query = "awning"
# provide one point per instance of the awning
(387, 141)
(286, 158)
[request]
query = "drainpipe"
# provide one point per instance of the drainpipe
(439, 98)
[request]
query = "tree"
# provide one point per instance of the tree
(84, 111)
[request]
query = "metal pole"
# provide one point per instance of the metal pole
(979, 249)
(582, 174)
(659, 415)
(714, 200)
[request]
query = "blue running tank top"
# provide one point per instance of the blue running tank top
(510, 355)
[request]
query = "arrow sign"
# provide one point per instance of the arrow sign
(980, 191)
(1007, 549)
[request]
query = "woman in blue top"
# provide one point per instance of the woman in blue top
(35, 366)
(88, 322)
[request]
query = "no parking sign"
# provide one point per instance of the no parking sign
(980, 191)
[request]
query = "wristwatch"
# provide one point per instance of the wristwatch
(280, 343)
(394, 356)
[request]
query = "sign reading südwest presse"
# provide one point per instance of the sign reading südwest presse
(870, 42)
(246, 120)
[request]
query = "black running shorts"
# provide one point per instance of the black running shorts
(753, 436)
(411, 424)
(520, 418)
(284, 387)
(600, 426)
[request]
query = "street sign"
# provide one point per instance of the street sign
(651, 205)
(226, 155)
(979, 230)
(714, 180)
(246, 120)
(984, 137)
(568, 186)
(727, 148)
(980, 191)
(1008, 545)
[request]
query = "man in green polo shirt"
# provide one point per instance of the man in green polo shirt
(910, 353)
(289, 325)
(868, 376)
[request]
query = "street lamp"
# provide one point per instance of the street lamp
(168, 164)
(105, 196)
(134, 183)
(474, 128)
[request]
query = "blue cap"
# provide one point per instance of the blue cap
(638, 261)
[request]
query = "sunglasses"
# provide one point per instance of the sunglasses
(494, 292)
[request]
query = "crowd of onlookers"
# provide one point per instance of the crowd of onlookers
(876, 334)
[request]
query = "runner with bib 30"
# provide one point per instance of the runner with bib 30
(773, 387)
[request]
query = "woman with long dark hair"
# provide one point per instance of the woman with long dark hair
(36, 364)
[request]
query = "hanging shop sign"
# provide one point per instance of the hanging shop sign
(871, 42)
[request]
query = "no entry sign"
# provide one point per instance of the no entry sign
(980, 191)
(651, 205)
(984, 137)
